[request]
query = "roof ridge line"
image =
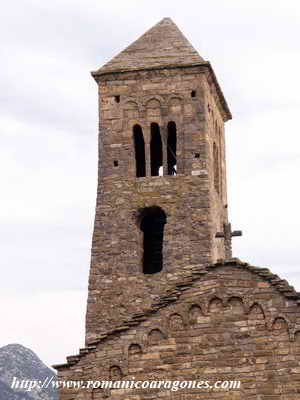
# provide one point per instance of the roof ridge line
(154, 68)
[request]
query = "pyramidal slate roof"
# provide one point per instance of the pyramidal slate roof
(164, 45)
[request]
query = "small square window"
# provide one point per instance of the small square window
(197, 155)
(116, 163)
(193, 93)
(117, 99)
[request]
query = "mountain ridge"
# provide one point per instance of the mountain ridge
(20, 362)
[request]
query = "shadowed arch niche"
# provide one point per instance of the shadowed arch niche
(172, 147)
(153, 220)
(156, 152)
(139, 148)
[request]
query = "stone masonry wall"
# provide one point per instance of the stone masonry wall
(215, 129)
(232, 322)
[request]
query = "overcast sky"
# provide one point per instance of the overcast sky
(48, 149)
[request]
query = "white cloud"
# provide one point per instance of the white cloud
(51, 323)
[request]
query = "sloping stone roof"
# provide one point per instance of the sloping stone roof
(281, 285)
(164, 45)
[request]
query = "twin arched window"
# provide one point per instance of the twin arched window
(156, 150)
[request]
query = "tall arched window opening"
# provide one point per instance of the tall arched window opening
(171, 150)
(156, 154)
(139, 147)
(152, 224)
(216, 168)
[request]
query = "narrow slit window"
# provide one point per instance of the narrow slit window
(156, 154)
(171, 150)
(152, 225)
(216, 168)
(139, 147)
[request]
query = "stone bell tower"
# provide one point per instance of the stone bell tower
(161, 201)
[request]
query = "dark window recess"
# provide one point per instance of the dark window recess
(216, 168)
(197, 155)
(193, 93)
(139, 147)
(117, 99)
(116, 163)
(156, 154)
(152, 224)
(172, 145)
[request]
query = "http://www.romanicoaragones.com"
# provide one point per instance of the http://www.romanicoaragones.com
(132, 384)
